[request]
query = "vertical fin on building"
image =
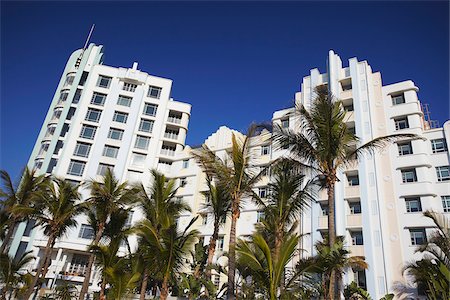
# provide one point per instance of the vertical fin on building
(78, 62)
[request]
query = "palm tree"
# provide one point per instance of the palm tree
(107, 197)
(324, 144)
(220, 205)
(235, 175)
(16, 195)
(55, 212)
(266, 269)
(170, 247)
(10, 275)
(161, 208)
(432, 272)
(65, 291)
(123, 278)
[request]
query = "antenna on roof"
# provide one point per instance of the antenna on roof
(77, 64)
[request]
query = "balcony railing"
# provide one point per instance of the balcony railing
(172, 136)
(174, 120)
(168, 152)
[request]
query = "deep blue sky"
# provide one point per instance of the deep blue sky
(234, 62)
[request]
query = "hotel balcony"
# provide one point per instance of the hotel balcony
(413, 160)
(352, 191)
(345, 95)
(171, 135)
(356, 250)
(174, 120)
(354, 220)
(323, 222)
(349, 116)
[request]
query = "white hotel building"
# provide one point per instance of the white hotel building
(123, 118)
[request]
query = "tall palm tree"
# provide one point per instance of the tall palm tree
(123, 278)
(170, 247)
(56, 213)
(235, 174)
(107, 196)
(324, 144)
(17, 195)
(220, 205)
(161, 208)
(10, 275)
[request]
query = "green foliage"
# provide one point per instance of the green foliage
(354, 292)
(65, 291)
(10, 276)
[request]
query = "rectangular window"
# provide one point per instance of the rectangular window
(88, 132)
(58, 147)
(438, 145)
(353, 180)
(44, 148)
(324, 208)
(38, 163)
(120, 117)
(404, 148)
(443, 173)
(77, 96)
(83, 78)
(265, 150)
(86, 232)
(130, 87)
(110, 151)
(102, 169)
(129, 220)
(401, 123)
(409, 175)
(63, 97)
(93, 115)
(259, 216)
(168, 150)
(398, 99)
(204, 219)
(150, 109)
(69, 79)
(418, 236)
(146, 125)
(104, 81)
(285, 123)
(349, 107)
(413, 205)
(138, 159)
(357, 238)
(82, 149)
(70, 113)
(220, 242)
(50, 130)
(185, 163)
(183, 181)
(52, 165)
(355, 207)
(154, 92)
(98, 99)
(446, 203)
(124, 101)
(346, 86)
(76, 168)
(142, 142)
(262, 192)
(115, 134)
(217, 281)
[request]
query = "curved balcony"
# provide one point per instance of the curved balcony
(404, 109)
(412, 160)
(416, 188)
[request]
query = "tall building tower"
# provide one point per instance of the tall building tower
(101, 117)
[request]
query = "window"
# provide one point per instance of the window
(154, 92)
(413, 204)
(418, 236)
(167, 150)
(76, 168)
(325, 210)
(401, 123)
(446, 203)
(44, 148)
(56, 114)
(102, 169)
(185, 163)
(259, 216)
(38, 163)
(115, 134)
(79, 264)
(124, 101)
(262, 192)
(285, 123)
(265, 150)
(223, 219)
(134, 176)
(398, 99)
(130, 87)
(171, 134)
(204, 219)
(98, 99)
(174, 117)
(146, 125)
(77, 96)
(110, 151)
(220, 242)
(69, 79)
(88, 132)
(438, 145)
(83, 78)
(409, 175)
(58, 147)
(355, 208)
(443, 173)
(52, 165)
(183, 181)
(70, 113)
(104, 81)
(93, 115)
(150, 109)
(86, 232)
(63, 97)
(360, 278)
(357, 238)
(138, 159)
(349, 107)
(404, 148)
(64, 129)
(217, 281)
(120, 117)
(142, 142)
(29, 227)
(129, 220)
(346, 86)
(82, 149)
(353, 180)
(50, 130)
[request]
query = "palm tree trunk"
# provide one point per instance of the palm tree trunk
(47, 262)
(212, 248)
(278, 241)
(144, 285)
(102, 289)
(232, 252)
(165, 288)
(331, 230)
(87, 277)
(6, 240)
(43, 262)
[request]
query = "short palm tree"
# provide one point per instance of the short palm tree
(324, 144)
(235, 174)
(56, 213)
(107, 196)
(17, 195)
(123, 278)
(170, 249)
(10, 272)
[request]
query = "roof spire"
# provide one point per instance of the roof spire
(77, 64)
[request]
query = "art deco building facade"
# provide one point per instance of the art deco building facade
(103, 117)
